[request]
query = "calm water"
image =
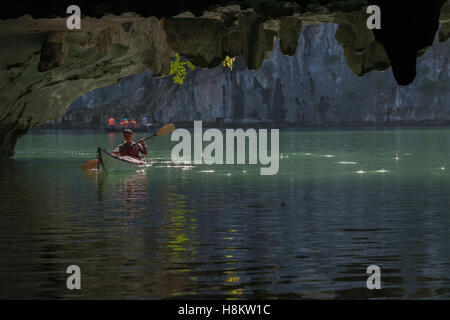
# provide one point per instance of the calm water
(342, 200)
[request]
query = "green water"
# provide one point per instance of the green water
(341, 201)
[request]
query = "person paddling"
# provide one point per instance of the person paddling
(129, 148)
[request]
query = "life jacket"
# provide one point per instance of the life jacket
(131, 150)
(112, 122)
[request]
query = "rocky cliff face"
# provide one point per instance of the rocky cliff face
(314, 86)
(43, 71)
(44, 66)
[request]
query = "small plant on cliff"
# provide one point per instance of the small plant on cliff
(178, 69)
(228, 62)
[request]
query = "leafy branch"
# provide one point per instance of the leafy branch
(178, 69)
(228, 62)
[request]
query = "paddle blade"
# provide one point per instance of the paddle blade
(167, 129)
(89, 165)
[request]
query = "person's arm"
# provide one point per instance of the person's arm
(118, 150)
(144, 150)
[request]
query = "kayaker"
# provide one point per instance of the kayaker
(130, 148)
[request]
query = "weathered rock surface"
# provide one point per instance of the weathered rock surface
(362, 52)
(54, 51)
(290, 29)
(314, 86)
(444, 31)
(207, 40)
(42, 73)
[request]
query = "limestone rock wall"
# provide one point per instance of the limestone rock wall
(314, 86)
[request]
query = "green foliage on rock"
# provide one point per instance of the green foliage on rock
(178, 69)
(444, 32)
(290, 29)
(362, 52)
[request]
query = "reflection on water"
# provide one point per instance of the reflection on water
(132, 189)
(343, 200)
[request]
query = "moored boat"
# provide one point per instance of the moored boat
(137, 128)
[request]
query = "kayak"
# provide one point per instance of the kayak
(110, 162)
